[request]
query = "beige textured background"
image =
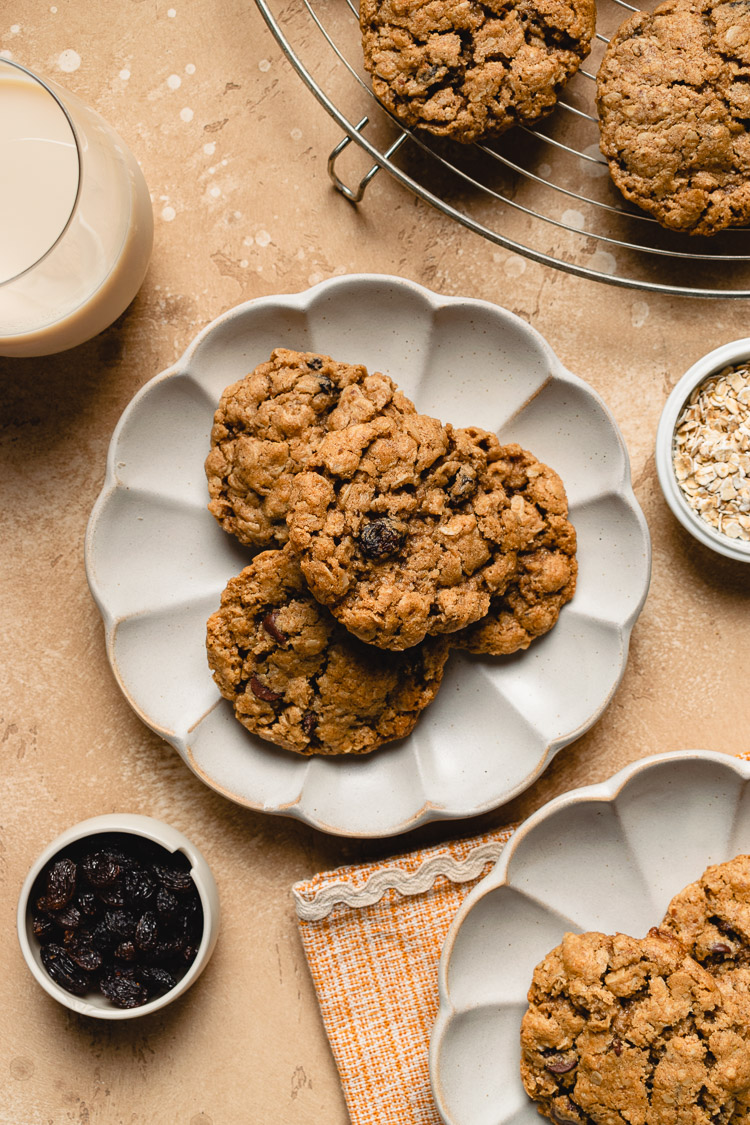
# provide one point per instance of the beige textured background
(251, 215)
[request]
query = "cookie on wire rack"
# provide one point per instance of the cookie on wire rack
(674, 100)
(469, 70)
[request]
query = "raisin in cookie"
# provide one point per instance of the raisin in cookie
(674, 101)
(297, 678)
(621, 1030)
(403, 530)
(711, 917)
(546, 568)
(468, 70)
(268, 424)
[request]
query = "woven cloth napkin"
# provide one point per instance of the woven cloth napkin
(372, 935)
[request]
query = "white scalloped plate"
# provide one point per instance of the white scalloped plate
(157, 561)
(608, 857)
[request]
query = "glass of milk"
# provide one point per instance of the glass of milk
(76, 224)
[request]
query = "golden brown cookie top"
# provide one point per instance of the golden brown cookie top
(635, 1031)
(674, 101)
(403, 529)
(546, 569)
(295, 676)
(468, 70)
(267, 426)
(711, 917)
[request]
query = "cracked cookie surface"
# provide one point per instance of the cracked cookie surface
(546, 568)
(295, 677)
(711, 917)
(268, 424)
(468, 70)
(673, 94)
(404, 530)
(626, 1031)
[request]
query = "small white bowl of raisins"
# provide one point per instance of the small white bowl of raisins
(118, 916)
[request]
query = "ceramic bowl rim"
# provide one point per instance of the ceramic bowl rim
(148, 828)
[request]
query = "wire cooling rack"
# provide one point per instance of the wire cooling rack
(543, 192)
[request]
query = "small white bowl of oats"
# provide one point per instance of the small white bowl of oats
(703, 450)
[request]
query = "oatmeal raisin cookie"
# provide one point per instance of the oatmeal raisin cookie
(267, 426)
(296, 677)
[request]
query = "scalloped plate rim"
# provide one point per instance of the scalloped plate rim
(603, 792)
(427, 810)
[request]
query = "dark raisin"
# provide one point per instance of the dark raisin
(101, 868)
(121, 923)
(561, 1062)
(426, 75)
(113, 895)
(380, 539)
(309, 723)
(189, 924)
(86, 903)
(85, 956)
(326, 386)
(155, 980)
(166, 903)
(269, 624)
(315, 362)
(188, 954)
(262, 691)
(61, 884)
(102, 937)
(147, 931)
(122, 991)
(726, 929)
(43, 927)
(720, 948)
(139, 888)
(167, 952)
(63, 970)
(125, 951)
(173, 875)
(567, 1114)
(69, 918)
(617, 1046)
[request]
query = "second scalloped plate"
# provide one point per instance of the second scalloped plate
(157, 561)
(608, 858)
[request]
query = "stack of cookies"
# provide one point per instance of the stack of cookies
(652, 1031)
(389, 538)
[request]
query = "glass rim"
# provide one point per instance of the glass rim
(79, 159)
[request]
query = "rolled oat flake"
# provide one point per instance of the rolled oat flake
(711, 451)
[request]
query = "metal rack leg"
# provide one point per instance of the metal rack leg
(356, 196)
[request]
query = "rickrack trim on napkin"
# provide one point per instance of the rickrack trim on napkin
(372, 935)
(323, 900)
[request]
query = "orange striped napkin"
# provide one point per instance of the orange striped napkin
(372, 935)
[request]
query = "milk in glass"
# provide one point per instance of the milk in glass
(76, 225)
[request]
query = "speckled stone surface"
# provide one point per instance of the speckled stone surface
(234, 150)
